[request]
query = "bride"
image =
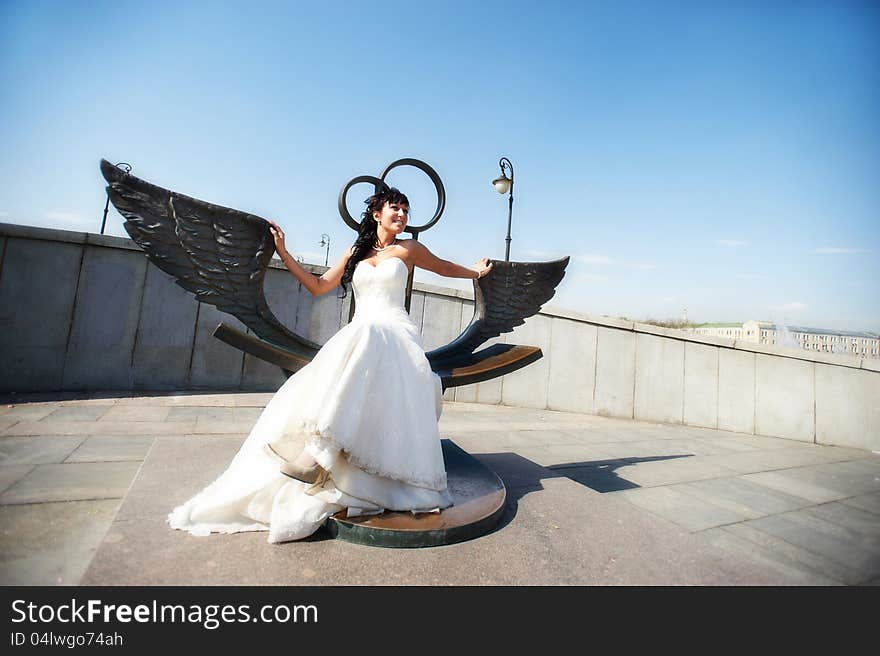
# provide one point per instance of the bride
(356, 428)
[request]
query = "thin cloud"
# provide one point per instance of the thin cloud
(591, 277)
(837, 249)
(794, 305)
(594, 259)
(71, 221)
(731, 243)
(64, 216)
(605, 260)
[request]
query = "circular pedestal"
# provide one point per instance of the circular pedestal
(478, 496)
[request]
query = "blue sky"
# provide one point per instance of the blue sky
(717, 156)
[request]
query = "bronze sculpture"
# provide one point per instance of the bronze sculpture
(221, 255)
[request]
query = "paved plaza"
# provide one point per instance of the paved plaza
(86, 480)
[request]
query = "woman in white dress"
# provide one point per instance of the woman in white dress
(356, 428)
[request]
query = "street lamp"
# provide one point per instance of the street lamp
(325, 241)
(122, 166)
(504, 184)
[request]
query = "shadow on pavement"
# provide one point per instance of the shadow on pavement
(522, 476)
(601, 475)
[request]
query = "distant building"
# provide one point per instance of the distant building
(843, 342)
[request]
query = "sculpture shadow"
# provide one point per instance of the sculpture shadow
(522, 476)
(602, 476)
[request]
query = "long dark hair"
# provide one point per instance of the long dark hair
(367, 234)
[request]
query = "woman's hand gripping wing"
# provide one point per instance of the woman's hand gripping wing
(219, 254)
(504, 299)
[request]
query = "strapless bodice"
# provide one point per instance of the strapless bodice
(380, 288)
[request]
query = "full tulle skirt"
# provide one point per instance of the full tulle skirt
(366, 408)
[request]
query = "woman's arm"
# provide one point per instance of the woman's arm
(425, 259)
(316, 285)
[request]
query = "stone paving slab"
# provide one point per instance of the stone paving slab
(214, 413)
(51, 543)
(855, 477)
(863, 526)
(211, 426)
(690, 512)
(675, 483)
(507, 439)
(826, 539)
(38, 450)
(456, 425)
(701, 446)
(28, 412)
(743, 496)
(671, 470)
(808, 483)
(648, 448)
(72, 482)
(247, 399)
(869, 502)
(745, 443)
(78, 413)
(8, 422)
(622, 434)
(11, 474)
(34, 399)
(193, 413)
(597, 540)
(566, 454)
(88, 402)
(798, 567)
(181, 399)
(248, 415)
(99, 427)
(195, 461)
(475, 412)
(784, 458)
(112, 449)
(136, 413)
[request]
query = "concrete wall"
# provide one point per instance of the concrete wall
(83, 311)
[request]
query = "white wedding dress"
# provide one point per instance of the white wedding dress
(366, 408)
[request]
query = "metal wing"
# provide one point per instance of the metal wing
(504, 299)
(219, 254)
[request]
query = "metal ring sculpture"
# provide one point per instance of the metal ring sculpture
(379, 183)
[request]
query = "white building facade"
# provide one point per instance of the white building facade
(843, 342)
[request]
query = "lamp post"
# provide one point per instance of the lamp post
(325, 241)
(504, 184)
(123, 166)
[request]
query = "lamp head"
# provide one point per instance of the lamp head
(502, 184)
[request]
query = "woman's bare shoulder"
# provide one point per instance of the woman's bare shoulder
(412, 245)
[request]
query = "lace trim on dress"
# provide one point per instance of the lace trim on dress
(315, 436)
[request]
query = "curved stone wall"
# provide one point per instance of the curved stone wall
(81, 311)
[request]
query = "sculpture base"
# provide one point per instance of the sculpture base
(478, 495)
